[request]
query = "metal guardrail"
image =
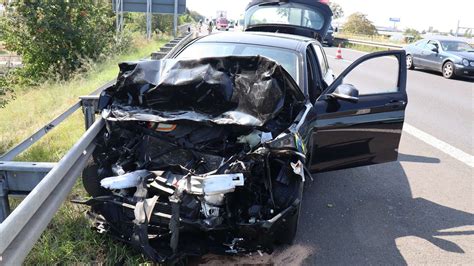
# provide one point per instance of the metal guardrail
(23, 227)
(370, 43)
(46, 185)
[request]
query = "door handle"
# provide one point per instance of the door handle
(396, 103)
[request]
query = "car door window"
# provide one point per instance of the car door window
(376, 76)
(431, 45)
(323, 63)
(314, 79)
(421, 43)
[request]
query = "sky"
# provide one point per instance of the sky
(418, 14)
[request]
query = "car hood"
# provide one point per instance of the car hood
(464, 55)
(248, 91)
(268, 22)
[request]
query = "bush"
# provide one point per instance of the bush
(6, 93)
(358, 23)
(55, 38)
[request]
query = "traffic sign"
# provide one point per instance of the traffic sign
(157, 6)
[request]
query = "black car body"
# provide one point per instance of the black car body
(450, 57)
(208, 149)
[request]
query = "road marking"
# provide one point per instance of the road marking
(440, 145)
(433, 141)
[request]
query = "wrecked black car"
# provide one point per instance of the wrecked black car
(198, 156)
(210, 155)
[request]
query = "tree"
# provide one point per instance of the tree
(412, 34)
(55, 38)
(358, 23)
(336, 10)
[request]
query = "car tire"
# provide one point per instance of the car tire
(286, 235)
(410, 64)
(91, 180)
(448, 70)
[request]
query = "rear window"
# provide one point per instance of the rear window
(285, 13)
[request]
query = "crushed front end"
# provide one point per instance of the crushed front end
(198, 156)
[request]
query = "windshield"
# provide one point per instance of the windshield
(285, 13)
(455, 46)
(286, 58)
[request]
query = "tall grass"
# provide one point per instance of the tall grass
(68, 239)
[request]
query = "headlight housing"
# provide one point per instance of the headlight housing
(465, 62)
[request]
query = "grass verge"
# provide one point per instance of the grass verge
(364, 48)
(68, 238)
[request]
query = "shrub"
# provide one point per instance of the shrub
(54, 38)
(358, 23)
(6, 93)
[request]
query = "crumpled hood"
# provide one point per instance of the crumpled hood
(249, 91)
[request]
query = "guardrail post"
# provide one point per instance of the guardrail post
(89, 108)
(4, 203)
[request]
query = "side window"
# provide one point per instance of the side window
(314, 83)
(431, 44)
(421, 43)
(323, 63)
(367, 82)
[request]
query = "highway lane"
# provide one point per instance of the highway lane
(417, 210)
(443, 108)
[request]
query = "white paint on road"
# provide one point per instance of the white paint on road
(440, 145)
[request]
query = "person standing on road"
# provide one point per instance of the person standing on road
(200, 25)
(210, 27)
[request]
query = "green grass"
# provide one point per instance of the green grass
(68, 239)
(374, 38)
(364, 48)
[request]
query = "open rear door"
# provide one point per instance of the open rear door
(360, 116)
(308, 18)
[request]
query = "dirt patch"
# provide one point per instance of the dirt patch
(292, 255)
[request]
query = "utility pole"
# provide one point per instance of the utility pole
(464, 28)
(457, 29)
(175, 20)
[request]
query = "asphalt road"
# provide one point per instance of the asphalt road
(418, 210)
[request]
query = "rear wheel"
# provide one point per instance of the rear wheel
(448, 70)
(410, 64)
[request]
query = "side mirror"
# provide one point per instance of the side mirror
(346, 92)
(435, 49)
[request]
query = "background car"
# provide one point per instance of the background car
(450, 57)
(329, 39)
(222, 24)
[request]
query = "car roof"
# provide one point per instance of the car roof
(444, 38)
(286, 41)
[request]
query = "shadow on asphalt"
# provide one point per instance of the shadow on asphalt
(354, 217)
(417, 159)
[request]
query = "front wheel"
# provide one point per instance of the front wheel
(286, 235)
(410, 64)
(448, 70)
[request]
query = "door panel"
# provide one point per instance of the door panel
(348, 134)
(432, 58)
